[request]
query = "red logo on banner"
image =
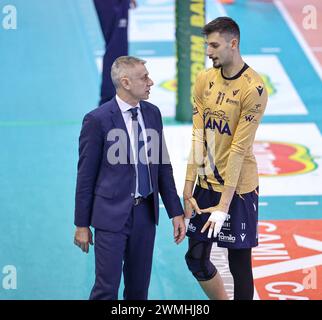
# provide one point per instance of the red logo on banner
(287, 264)
(281, 159)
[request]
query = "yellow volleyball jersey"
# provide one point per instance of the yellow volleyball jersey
(226, 115)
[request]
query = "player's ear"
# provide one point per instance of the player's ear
(234, 43)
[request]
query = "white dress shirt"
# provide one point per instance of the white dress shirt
(127, 117)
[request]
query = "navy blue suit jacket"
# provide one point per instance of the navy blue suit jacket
(105, 192)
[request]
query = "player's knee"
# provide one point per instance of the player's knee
(202, 269)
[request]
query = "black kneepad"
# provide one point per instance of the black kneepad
(198, 261)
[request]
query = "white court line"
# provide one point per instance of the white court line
(256, 295)
(307, 203)
(263, 204)
(299, 37)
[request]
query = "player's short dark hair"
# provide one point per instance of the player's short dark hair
(222, 25)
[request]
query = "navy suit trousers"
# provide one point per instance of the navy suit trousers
(130, 249)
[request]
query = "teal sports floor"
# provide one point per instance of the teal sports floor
(50, 77)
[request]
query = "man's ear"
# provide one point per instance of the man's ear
(125, 82)
(234, 43)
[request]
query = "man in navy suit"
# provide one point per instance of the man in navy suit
(123, 166)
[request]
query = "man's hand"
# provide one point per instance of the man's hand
(83, 237)
(133, 4)
(189, 206)
(215, 223)
(179, 229)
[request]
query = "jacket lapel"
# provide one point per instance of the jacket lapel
(119, 123)
(149, 124)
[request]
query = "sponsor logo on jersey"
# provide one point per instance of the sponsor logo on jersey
(226, 225)
(234, 102)
(260, 89)
(256, 109)
(249, 118)
(191, 227)
(235, 92)
(228, 238)
(220, 125)
(283, 159)
(242, 236)
(220, 114)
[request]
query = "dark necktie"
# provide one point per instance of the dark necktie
(143, 171)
